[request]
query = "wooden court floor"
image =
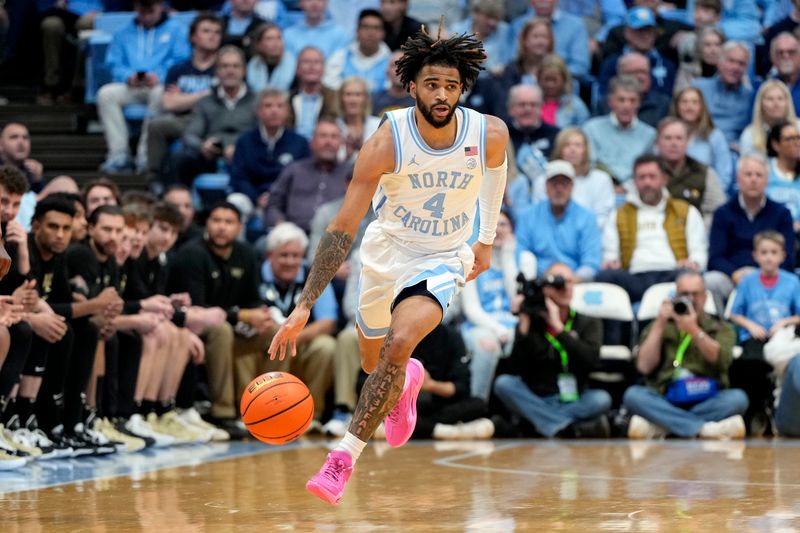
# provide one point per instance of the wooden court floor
(536, 485)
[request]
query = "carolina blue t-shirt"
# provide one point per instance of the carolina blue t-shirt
(766, 306)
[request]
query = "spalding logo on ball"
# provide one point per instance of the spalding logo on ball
(277, 407)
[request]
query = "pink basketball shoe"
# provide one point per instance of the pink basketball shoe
(329, 482)
(401, 420)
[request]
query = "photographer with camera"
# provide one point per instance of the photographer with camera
(544, 379)
(685, 355)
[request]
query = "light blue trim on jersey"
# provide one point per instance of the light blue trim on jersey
(412, 127)
(483, 144)
(398, 152)
(380, 203)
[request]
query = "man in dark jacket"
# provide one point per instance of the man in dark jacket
(262, 153)
(544, 380)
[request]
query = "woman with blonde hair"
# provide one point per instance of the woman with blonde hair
(535, 41)
(773, 104)
(356, 120)
(707, 144)
(561, 107)
(593, 188)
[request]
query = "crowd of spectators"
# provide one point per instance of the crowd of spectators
(649, 143)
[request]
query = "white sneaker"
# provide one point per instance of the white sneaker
(27, 440)
(17, 446)
(132, 444)
(480, 429)
(137, 425)
(641, 428)
(337, 426)
(727, 428)
(170, 424)
(192, 417)
(8, 461)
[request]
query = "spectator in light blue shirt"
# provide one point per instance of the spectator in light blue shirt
(557, 230)
(728, 93)
(271, 65)
(315, 30)
(486, 20)
(618, 138)
(139, 56)
(572, 39)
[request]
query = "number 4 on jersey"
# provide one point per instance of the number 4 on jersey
(435, 205)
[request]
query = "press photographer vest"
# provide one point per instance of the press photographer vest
(689, 183)
(675, 216)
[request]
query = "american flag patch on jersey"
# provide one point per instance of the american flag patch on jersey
(470, 150)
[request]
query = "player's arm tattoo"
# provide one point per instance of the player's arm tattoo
(381, 392)
(332, 249)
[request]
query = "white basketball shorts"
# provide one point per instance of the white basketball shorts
(388, 267)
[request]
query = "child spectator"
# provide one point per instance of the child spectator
(766, 301)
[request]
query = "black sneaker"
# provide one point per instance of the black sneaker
(596, 428)
(99, 438)
(61, 450)
(101, 446)
(28, 441)
(80, 448)
(119, 425)
(233, 426)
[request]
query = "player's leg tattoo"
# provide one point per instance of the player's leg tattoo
(381, 392)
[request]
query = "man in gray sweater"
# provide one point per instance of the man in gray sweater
(216, 122)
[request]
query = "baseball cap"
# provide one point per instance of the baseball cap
(559, 167)
(640, 17)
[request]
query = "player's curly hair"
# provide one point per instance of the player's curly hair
(463, 52)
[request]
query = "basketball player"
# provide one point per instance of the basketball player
(425, 169)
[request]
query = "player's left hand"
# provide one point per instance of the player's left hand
(483, 259)
(286, 336)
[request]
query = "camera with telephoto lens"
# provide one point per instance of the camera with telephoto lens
(532, 291)
(682, 305)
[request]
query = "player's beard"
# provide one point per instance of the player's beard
(432, 120)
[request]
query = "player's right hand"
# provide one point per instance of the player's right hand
(286, 336)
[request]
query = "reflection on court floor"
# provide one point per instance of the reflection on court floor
(535, 485)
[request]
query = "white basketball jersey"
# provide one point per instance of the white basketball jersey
(429, 201)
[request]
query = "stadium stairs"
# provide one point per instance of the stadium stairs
(59, 137)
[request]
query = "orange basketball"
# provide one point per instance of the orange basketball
(277, 407)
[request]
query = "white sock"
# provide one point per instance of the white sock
(352, 445)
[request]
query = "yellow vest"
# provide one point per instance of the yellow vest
(674, 224)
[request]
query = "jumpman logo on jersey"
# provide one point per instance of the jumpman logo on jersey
(413, 160)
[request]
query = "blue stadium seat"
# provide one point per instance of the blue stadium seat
(210, 188)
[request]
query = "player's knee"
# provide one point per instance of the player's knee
(397, 349)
